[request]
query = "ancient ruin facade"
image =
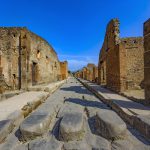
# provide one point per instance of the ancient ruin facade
(147, 60)
(64, 70)
(121, 60)
(26, 59)
(90, 73)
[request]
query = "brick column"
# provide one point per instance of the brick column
(147, 60)
(1, 77)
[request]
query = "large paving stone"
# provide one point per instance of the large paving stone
(122, 145)
(76, 145)
(35, 125)
(98, 142)
(42, 144)
(72, 127)
(16, 117)
(70, 108)
(110, 125)
(6, 126)
(21, 147)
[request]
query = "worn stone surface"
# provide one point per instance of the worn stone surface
(72, 127)
(98, 142)
(6, 127)
(75, 95)
(122, 145)
(69, 108)
(16, 117)
(42, 144)
(110, 125)
(35, 125)
(76, 145)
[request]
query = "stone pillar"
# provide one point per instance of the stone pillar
(1, 78)
(147, 60)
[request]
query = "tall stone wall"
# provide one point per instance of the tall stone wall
(131, 63)
(27, 59)
(95, 74)
(64, 69)
(110, 54)
(121, 60)
(147, 60)
(9, 47)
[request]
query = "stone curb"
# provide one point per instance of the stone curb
(15, 118)
(142, 126)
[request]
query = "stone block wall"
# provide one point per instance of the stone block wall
(9, 48)
(147, 60)
(64, 70)
(27, 59)
(110, 55)
(121, 60)
(131, 63)
(95, 74)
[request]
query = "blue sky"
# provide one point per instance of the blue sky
(75, 28)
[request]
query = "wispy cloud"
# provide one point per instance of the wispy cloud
(77, 62)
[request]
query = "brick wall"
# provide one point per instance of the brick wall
(120, 60)
(64, 69)
(147, 60)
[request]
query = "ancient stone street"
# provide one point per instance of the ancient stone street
(72, 118)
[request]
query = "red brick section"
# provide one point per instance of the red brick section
(121, 60)
(147, 60)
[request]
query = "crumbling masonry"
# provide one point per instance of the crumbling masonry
(121, 60)
(26, 59)
(147, 60)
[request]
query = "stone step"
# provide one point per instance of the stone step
(72, 127)
(110, 125)
(140, 122)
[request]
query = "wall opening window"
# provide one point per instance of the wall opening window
(47, 59)
(38, 54)
(55, 64)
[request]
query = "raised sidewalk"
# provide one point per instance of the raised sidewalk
(13, 110)
(134, 113)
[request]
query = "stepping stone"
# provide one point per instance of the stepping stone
(6, 126)
(16, 117)
(122, 145)
(35, 125)
(72, 127)
(43, 144)
(70, 108)
(21, 147)
(98, 142)
(110, 125)
(76, 145)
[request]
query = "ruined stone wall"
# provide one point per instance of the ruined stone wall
(64, 69)
(110, 54)
(90, 71)
(27, 59)
(120, 60)
(147, 60)
(95, 74)
(9, 49)
(131, 63)
(44, 59)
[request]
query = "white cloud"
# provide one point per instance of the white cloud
(78, 62)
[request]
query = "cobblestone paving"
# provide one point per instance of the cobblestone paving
(72, 118)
